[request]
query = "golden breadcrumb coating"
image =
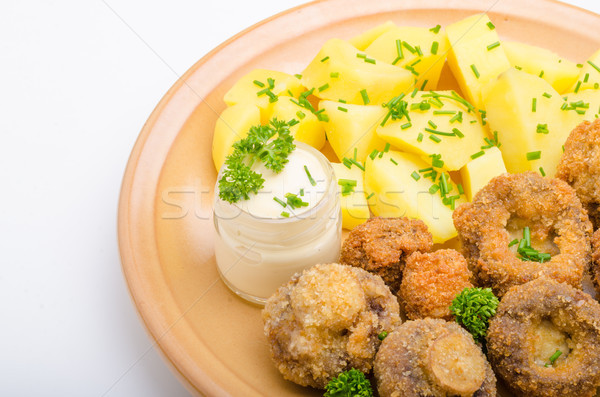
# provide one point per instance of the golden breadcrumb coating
(549, 207)
(595, 268)
(533, 321)
(381, 246)
(580, 166)
(432, 357)
(431, 281)
(326, 320)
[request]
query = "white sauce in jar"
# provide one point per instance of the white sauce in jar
(257, 248)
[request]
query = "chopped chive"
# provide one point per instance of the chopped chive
(579, 65)
(399, 49)
(475, 71)
(300, 114)
(409, 47)
(460, 188)
(370, 60)
(458, 133)
(290, 92)
(302, 192)
(280, 202)
(387, 147)
(414, 93)
(359, 165)
(434, 47)
(310, 178)
(393, 161)
(457, 117)
(432, 124)
(542, 171)
(436, 112)
(424, 84)
(577, 86)
(435, 29)
(490, 25)
(324, 59)
(342, 109)
(365, 96)
(542, 129)
(259, 83)
(323, 87)
(586, 78)
(478, 154)
(373, 154)
(347, 185)
(433, 189)
(370, 195)
(436, 161)
(415, 175)
(298, 76)
(355, 153)
(534, 155)
(515, 241)
(541, 74)
(547, 95)
(271, 82)
(362, 56)
(435, 138)
(518, 67)
(594, 66)
(426, 169)
(396, 60)
(419, 51)
(341, 101)
(534, 105)
(436, 132)
(493, 45)
(420, 138)
(334, 75)
(285, 214)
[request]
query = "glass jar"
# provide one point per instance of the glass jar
(257, 254)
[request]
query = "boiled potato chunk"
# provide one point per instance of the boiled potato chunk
(478, 172)
(308, 130)
(352, 126)
(397, 193)
(471, 62)
(364, 39)
(355, 209)
(591, 69)
(338, 73)
(528, 121)
(416, 136)
(427, 67)
(560, 73)
(247, 88)
(233, 125)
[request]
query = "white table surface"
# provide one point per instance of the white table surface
(78, 81)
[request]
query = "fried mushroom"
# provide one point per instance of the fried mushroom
(381, 246)
(431, 281)
(545, 340)
(326, 320)
(580, 166)
(503, 209)
(432, 357)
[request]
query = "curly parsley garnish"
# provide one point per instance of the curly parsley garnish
(473, 308)
(271, 144)
(352, 383)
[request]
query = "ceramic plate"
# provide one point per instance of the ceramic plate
(212, 339)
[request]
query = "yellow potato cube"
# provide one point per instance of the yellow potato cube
(478, 172)
(364, 39)
(457, 135)
(471, 62)
(418, 50)
(256, 82)
(338, 73)
(352, 127)
(589, 74)
(233, 124)
(397, 193)
(308, 130)
(560, 73)
(526, 112)
(355, 209)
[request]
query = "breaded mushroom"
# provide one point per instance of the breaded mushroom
(432, 357)
(511, 203)
(595, 268)
(327, 320)
(580, 166)
(431, 281)
(545, 340)
(381, 246)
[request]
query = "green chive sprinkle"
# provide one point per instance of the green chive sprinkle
(433, 189)
(280, 202)
(285, 214)
(370, 195)
(341, 101)
(342, 109)
(310, 178)
(475, 71)
(419, 51)
(460, 188)
(300, 115)
(415, 175)
(409, 47)
(365, 96)
(324, 59)
(393, 161)
(323, 87)
(298, 76)
(435, 138)
(541, 74)
(436, 112)
(594, 66)
(478, 154)
(334, 75)
(534, 155)
(435, 29)
(362, 56)
(399, 49)
(387, 147)
(490, 25)
(258, 83)
(493, 45)
(547, 95)
(420, 138)
(534, 104)
(515, 241)
(370, 60)
(586, 78)
(436, 132)
(553, 358)
(577, 86)
(542, 129)
(373, 154)
(542, 171)
(434, 47)
(432, 124)
(458, 133)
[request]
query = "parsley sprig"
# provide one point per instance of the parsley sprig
(271, 144)
(473, 308)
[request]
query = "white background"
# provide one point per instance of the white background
(78, 79)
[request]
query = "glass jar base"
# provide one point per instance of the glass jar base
(248, 297)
